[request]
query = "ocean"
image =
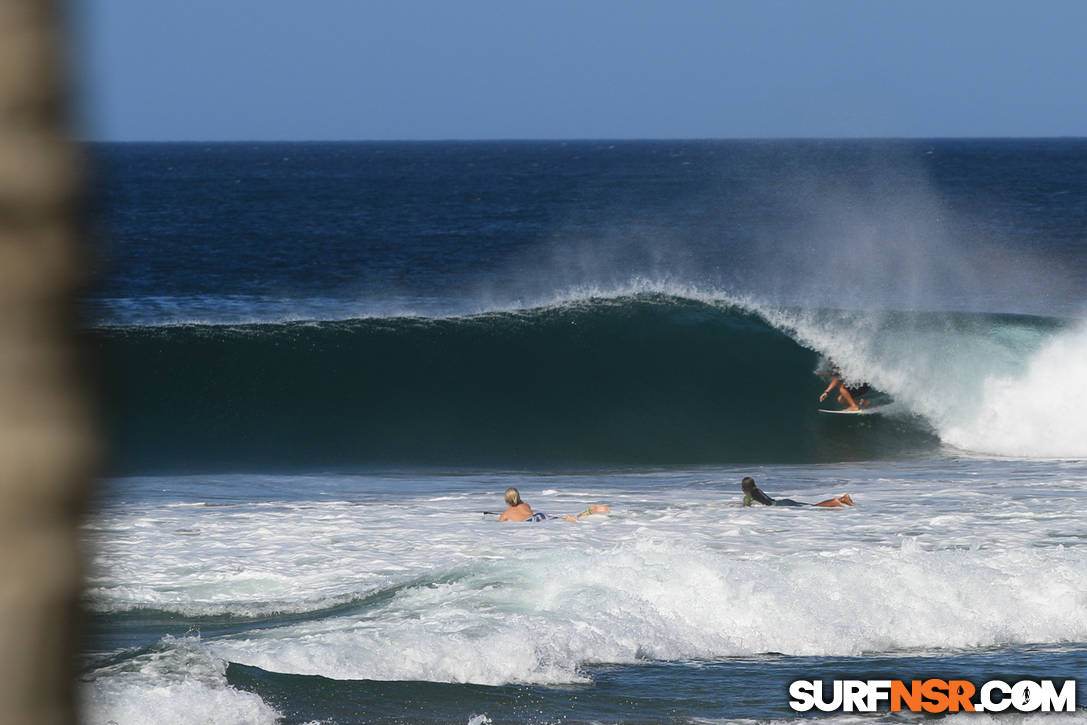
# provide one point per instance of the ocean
(322, 365)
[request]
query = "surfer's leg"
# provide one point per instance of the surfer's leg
(846, 399)
(594, 509)
(836, 502)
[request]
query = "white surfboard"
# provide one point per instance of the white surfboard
(871, 410)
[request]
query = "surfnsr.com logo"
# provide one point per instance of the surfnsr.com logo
(933, 696)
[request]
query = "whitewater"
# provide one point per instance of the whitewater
(402, 577)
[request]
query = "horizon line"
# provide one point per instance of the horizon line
(582, 139)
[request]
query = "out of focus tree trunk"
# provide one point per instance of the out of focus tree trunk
(46, 444)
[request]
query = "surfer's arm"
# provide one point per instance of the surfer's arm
(836, 381)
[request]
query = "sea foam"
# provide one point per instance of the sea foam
(178, 681)
(1042, 412)
(405, 587)
(669, 602)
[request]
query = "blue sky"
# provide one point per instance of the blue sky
(496, 69)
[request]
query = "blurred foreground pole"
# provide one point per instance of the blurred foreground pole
(46, 444)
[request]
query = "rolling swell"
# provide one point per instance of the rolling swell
(635, 380)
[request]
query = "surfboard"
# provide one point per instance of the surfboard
(863, 411)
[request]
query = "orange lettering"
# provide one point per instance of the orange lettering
(911, 695)
(959, 694)
(935, 691)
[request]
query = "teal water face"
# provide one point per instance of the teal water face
(643, 379)
(634, 380)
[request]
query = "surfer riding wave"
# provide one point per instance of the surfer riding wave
(849, 394)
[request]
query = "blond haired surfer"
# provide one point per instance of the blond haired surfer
(520, 511)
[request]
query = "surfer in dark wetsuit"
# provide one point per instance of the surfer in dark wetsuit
(847, 394)
(753, 494)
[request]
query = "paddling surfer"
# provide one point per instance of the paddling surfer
(753, 494)
(520, 511)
